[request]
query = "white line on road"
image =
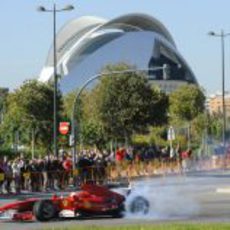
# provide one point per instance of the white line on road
(223, 190)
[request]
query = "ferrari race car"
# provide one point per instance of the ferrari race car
(92, 200)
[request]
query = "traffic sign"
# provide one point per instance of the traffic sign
(64, 127)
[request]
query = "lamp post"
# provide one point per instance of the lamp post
(222, 36)
(54, 11)
(77, 98)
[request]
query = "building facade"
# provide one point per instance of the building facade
(215, 104)
(87, 44)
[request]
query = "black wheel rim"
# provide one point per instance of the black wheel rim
(47, 211)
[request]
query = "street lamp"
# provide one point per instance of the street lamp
(222, 35)
(73, 140)
(54, 11)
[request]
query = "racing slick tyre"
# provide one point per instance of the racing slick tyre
(139, 205)
(44, 210)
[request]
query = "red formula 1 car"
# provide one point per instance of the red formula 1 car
(92, 200)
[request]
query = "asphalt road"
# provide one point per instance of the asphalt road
(194, 197)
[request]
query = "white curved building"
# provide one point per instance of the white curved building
(87, 44)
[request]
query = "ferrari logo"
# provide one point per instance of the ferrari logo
(65, 203)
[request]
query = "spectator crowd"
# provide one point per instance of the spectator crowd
(50, 173)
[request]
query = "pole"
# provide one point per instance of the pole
(189, 137)
(55, 83)
(33, 141)
(16, 140)
(171, 149)
(54, 11)
(222, 35)
(223, 86)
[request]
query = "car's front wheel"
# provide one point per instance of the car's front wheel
(44, 210)
(139, 205)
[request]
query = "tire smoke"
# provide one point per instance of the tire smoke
(167, 201)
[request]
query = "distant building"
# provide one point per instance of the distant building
(215, 103)
(87, 44)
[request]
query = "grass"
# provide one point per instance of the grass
(181, 226)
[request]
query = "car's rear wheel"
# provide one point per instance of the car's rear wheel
(139, 205)
(44, 210)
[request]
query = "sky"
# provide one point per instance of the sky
(26, 34)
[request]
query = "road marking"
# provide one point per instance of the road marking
(223, 190)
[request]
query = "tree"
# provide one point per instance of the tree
(215, 126)
(3, 95)
(187, 102)
(159, 107)
(126, 103)
(186, 109)
(68, 105)
(30, 108)
(93, 134)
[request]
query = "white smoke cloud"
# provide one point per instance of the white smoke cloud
(167, 201)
